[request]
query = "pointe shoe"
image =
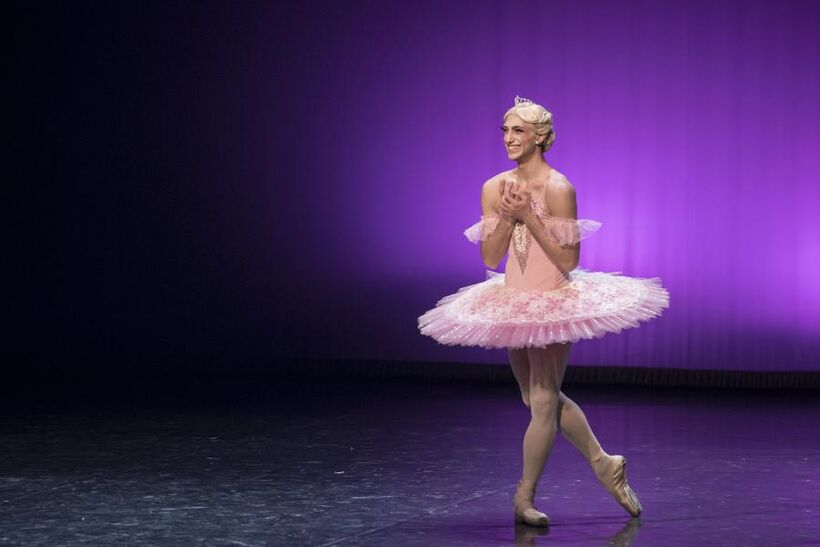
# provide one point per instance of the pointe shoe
(611, 473)
(524, 510)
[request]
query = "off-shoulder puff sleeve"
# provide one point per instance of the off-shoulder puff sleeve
(482, 229)
(564, 231)
(568, 231)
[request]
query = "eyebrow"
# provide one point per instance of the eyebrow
(514, 127)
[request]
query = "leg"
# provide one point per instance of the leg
(520, 364)
(546, 367)
(571, 419)
(610, 470)
(574, 426)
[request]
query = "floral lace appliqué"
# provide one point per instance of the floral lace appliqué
(522, 237)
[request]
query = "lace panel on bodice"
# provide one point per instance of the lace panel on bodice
(522, 237)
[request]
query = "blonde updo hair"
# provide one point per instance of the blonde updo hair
(536, 115)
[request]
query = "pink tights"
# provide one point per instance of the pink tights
(539, 373)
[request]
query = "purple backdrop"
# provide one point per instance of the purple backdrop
(286, 181)
(688, 128)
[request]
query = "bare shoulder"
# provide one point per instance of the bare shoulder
(560, 186)
(491, 193)
(560, 180)
(561, 196)
(494, 182)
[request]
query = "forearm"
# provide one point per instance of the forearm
(565, 258)
(494, 247)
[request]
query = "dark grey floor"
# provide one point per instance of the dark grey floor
(399, 463)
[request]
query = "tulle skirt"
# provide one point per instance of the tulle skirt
(491, 315)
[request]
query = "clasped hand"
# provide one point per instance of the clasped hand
(515, 203)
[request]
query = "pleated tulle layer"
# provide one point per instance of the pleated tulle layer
(491, 315)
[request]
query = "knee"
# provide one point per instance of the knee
(543, 404)
(567, 404)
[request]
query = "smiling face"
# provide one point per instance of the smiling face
(520, 138)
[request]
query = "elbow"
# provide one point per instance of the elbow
(489, 262)
(570, 266)
(492, 264)
(572, 261)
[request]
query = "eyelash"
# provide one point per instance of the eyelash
(517, 130)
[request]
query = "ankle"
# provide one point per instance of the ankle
(598, 458)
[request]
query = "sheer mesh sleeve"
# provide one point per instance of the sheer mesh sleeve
(482, 229)
(568, 231)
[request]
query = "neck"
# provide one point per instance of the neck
(534, 167)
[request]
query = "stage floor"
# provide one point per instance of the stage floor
(410, 462)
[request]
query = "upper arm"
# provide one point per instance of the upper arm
(562, 201)
(490, 198)
(563, 204)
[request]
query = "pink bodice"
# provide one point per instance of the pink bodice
(528, 267)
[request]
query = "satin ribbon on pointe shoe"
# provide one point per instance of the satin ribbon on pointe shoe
(524, 510)
(613, 478)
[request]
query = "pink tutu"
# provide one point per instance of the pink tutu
(491, 315)
(535, 303)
